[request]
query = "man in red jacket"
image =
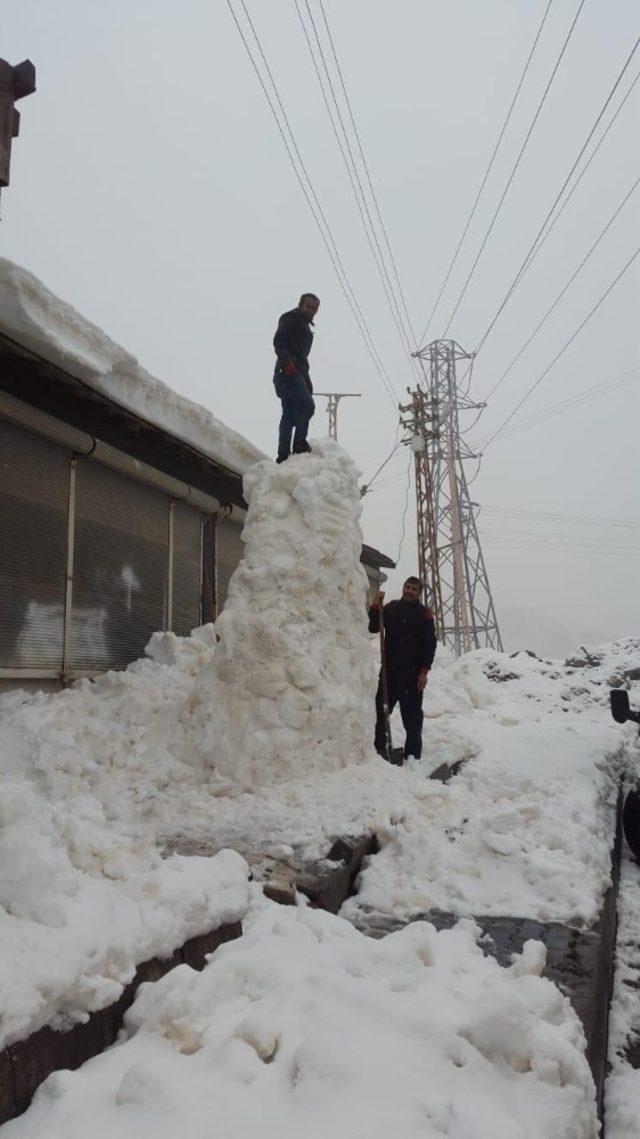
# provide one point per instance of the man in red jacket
(410, 646)
(292, 343)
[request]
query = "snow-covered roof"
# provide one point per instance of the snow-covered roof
(38, 320)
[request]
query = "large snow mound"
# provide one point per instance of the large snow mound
(40, 321)
(307, 1027)
(290, 688)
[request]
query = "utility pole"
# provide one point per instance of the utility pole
(333, 399)
(449, 551)
(15, 83)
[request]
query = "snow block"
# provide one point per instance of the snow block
(25, 1064)
(327, 883)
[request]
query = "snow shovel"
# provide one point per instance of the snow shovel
(392, 755)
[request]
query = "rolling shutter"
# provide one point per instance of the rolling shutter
(187, 563)
(120, 567)
(34, 488)
(229, 551)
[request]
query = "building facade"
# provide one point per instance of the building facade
(111, 525)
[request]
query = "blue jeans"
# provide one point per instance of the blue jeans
(297, 409)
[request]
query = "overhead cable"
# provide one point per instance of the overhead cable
(552, 517)
(539, 236)
(556, 217)
(562, 292)
(406, 507)
(368, 174)
(342, 139)
(622, 380)
(565, 346)
(312, 200)
(366, 487)
(512, 175)
(485, 177)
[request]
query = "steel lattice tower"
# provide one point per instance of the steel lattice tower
(449, 551)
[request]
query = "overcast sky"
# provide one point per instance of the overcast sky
(150, 189)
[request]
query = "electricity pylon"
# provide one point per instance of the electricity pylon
(333, 399)
(449, 551)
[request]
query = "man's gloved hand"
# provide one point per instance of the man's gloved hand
(309, 385)
(423, 676)
(289, 368)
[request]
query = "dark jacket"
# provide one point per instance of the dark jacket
(293, 340)
(410, 638)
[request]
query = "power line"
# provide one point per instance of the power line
(573, 542)
(566, 287)
(539, 237)
(406, 507)
(311, 198)
(516, 165)
(368, 174)
(354, 177)
(594, 551)
(582, 173)
(486, 175)
(366, 487)
(565, 345)
(554, 516)
(623, 379)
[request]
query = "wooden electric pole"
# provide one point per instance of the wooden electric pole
(15, 83)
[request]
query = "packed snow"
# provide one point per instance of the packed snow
(305, 1026)
(48, 326)
(289, 691)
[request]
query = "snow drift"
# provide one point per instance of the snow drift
(304, 1026)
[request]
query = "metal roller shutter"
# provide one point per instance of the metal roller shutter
(34, 487)
(120, 567)
(229, 551)
(187, 568)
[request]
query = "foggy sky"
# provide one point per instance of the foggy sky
(151, 190)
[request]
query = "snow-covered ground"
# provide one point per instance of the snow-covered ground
(305, 1018)
(526, 827)
(305, 1026)
(100, 776)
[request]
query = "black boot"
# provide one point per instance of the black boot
(282, 458)
(301, 448)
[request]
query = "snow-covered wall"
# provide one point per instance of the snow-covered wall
(290, 689)
(41, 322)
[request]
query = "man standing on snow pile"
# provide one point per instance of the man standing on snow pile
(409, 649)
(292, 342)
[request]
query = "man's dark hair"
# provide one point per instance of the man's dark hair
(414, 581)
(311, 296)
